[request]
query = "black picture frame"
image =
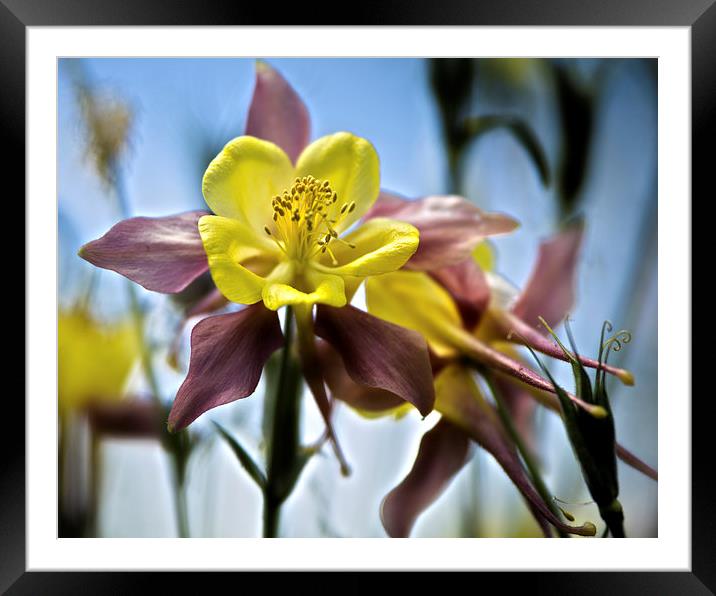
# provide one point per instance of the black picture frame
(700, 15)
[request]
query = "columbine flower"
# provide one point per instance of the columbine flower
(468, 318)
(279, 237)
(278, 232)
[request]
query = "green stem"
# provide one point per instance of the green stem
(282, 406)
(272, 513)
(145, 353)
(523, 450)
(182, 518)
(613, 516)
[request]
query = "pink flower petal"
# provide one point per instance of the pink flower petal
(450, 226)
(163, 254)
(468, 287)
(380, 354)
(277, 113)
(550, 290)
(228, 353)
(632, 460)
(480, 421)
(344, 388)
(213, 300)
(518, 331)
(443, 452)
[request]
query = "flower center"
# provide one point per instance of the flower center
(304, 219)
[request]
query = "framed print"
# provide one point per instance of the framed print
(297, 292)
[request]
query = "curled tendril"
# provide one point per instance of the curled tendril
(616, 342)
(606, 326)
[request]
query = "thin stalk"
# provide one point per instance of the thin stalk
(175, 446)
(145, 353)
(272, 513)
(523, 450)
(182, 518)
(272, 504)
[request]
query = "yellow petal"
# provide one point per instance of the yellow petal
(397, 413)
(93, 359)
(315, 288)
(351, 286)
(241, 181)
(458, 398)
(227, 243)
(484, 255)
(414, 300)
(381, 246)
(351, 166)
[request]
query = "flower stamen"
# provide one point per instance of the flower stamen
(305, 217)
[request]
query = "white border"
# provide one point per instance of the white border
(671, 550)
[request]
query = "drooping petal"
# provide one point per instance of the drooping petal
(350, 164)
(460, 401)
(443, 452)
(381, 246)
(413, 300)
(315, 288)
(379, 354)
(277, 113)
(468, 287)
(363, 398)
(228, 353)
(214, 300)
(163, 254)
(450, 226)
(227, 243)
(550, 290)
(241, 181)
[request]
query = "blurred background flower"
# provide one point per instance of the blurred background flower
(540, 140)
(94, 359)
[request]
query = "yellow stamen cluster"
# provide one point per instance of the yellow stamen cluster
(305, 217)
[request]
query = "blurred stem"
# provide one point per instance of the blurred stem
(454, 160)
(145, 353)
(69, 526)
(95, 471)
(272, 501)
(523, 450)
(470, 522)
(613, 516)
(177, 446)
(86, 297)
